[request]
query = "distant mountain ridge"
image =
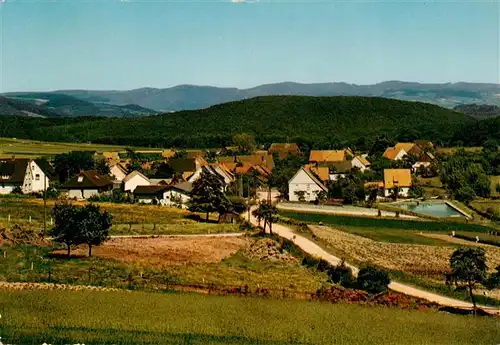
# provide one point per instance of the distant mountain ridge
(49, 104)
(142, 101)
(191, 97)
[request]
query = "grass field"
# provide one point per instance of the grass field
(60, 317)
(128, 219)
(31, 148)
(388, 230)
(453, 150)
(154, 264)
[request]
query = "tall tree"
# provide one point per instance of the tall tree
(207, 194)
(468, 267)
(245, 142)
(67, 165)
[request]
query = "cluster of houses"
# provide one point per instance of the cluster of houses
(329, 165)
(32, 175)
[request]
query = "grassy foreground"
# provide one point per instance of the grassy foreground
(61, 317)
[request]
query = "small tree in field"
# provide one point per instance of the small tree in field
(468, 267)
(372, 280)
(77, 225)
(66, 224)
(93, 226)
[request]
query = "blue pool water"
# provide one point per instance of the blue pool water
(436, 209)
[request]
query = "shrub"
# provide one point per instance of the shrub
(17, 190)
(372, 280)
(341, 274)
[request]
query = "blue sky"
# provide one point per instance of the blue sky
(76, 44)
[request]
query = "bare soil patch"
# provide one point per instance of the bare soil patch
(163, 251)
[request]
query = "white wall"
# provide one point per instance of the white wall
(302, 182)
(33, 180)
(356, 163)
(168, 195)
(402, 192)
(117, 173)
(6, 188)
(81, 193)
(135, 181)
(335, 177)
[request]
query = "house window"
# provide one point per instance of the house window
(308, 187)
(80, 178)
(37, 177)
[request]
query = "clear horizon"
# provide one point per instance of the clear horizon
(124, 45)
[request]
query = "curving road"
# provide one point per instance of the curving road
(313, 249)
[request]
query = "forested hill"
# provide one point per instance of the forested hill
(321, 121)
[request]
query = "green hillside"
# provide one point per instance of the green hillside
(318, 120)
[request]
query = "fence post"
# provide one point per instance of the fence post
(30, 219)
(9, 218)
(50, 273)
(51, 221)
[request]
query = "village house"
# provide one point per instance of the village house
(325, 157)
(339, 170)
(304, 181)
(400, 178)
(86, 184)
(361, 163)
(284, 150)
(400, 150)
(425, 160)
(30, 175)
(134, 179)
(177, 195)
(118, 172)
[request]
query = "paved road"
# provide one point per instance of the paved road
(313, 249)
(343, 210)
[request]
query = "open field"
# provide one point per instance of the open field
(388, 230)
(156, 264)
(140, 318)
(128, 219)
(453, 150)
(32, 148)
(423, 265)
(484, 205)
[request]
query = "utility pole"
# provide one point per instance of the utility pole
(44, 205)
(248, 199)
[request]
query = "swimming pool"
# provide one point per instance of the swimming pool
(436, 209)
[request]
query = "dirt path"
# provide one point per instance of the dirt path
(313, 249)
(228, 234)
(340, 210)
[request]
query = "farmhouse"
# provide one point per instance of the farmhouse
(361, 163)
(118, 172)
(134, 179)
(86, 184)
(319, 157)
(28, 174)
(177, 195)
(304, 182)
(400, 178)
(284, 150)
(339, 169)
(425, 160)
(393, 154)
(402, 149)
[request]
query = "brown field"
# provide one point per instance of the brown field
(420, 260)
(166, 251)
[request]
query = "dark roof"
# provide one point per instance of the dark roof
(13, 170)
(150, 190)
(91, 179)
(44, 165)
(180, 165)
(186, 187)
(340, 168)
